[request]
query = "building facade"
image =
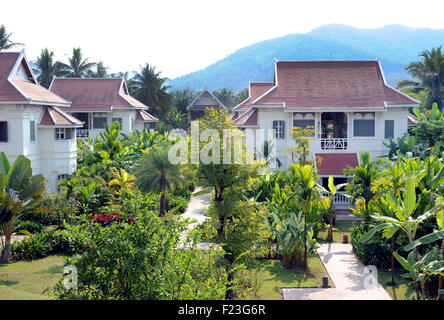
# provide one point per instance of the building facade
(100, 101)
(33, 124)
(196, 109)
(348, 104)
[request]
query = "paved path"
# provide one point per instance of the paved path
(196, 211)
(350, 279)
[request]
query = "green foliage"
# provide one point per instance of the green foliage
(142, 261)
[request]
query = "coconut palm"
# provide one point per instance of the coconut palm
(429, 75)
(46, 68)
(150, 88)
(226, 96)
(99, 71)
(19, 190)
(77, 66)
(5, 39)
(155, 172)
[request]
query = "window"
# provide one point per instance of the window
(64, 133)
(149, 125)
(60, 133)
(279, 129)
(389, 129)
(60, 178)
(118, 120)
(32, 131)
(304, 124)
(364, 128)
(99, 122)
(3, 131)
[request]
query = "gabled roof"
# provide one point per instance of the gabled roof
(144, 116)
(95, 94)
(331, 85)
(248, 119)
(54, 117)
(19, 85)
(255, 90)
(335, 163)
(205, 100)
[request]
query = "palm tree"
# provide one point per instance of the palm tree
(241, 96)
(226, 96)
(19, 189)
(100, 71)
(429, 75)
(150, 88)
(77, 66)
(5, 39)
(155, 172)
(46, 68)
(182, 98)
(301, 180)
(360, 187)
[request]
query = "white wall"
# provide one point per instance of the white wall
(49, 157)
(374, 145)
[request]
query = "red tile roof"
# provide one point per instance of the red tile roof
(19, 90)
(144, 116)
(256, 89)
(95, 94)
(55, 117)
(331, 85)
(248, 119)
(335, 163)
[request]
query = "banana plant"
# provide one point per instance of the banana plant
(19, 189)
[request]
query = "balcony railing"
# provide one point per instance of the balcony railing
(341, 198)
(334, 143)
(82, 133)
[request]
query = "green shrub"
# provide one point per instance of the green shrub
(41, 245)
(29, 226)
(176, 204)
(376, 251)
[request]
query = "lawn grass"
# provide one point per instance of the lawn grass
(275, 276)
(26, 280)
(401, 290)
(339, 229)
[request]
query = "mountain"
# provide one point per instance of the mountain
(393, 45)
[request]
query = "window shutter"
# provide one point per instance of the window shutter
(4, 131)
(389, 129)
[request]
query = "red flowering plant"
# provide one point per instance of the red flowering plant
(107, 218)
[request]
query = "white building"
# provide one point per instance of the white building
(32, 122)
(349, 104)
(100, 101)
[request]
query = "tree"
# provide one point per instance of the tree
(429, 76)
(46, 68)
(332, 189)
(182, 98)
(301, 152)
(100, 70)
(360, 187)
(430, 130)
(239, 223)
(301, 180)
(241, 96)
(19, 189)
(77, 66)
(226, 96)
(155, 172)
(5, 39)
(150, 88)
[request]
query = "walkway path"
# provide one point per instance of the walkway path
(350, 278)
(196, 211)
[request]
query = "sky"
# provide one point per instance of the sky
(182, 36)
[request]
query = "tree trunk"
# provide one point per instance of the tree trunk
(7, 250)
(330, 230)
(305, 242)
(392, 273)
(163, 195)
